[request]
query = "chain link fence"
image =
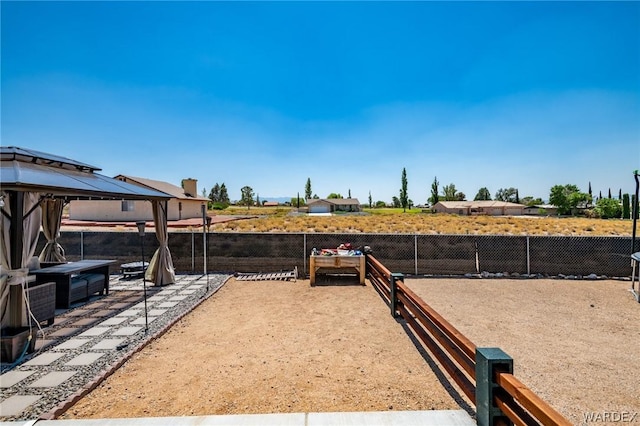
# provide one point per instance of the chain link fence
(411, 254)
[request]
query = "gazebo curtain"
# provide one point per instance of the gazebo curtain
(51, 220)
(30, 217)
(160, 270)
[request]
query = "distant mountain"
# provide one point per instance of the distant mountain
(280, 200)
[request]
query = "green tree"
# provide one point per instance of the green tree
(214, 194)
(246, 198)
(483, 195)
(566, 198)
(450, 193)
(626, 207)
(380, 204)
(396, 202)
(507, 194)
(434, 192)
(224, 195)
(307, 189)
(349, 193)
(296, 200)
(370, 200)
(530, 201)
(333, 195)
(404, 198)
(608, 208)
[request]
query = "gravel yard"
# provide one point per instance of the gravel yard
(274, 346)
(574, 343)
(263, 347)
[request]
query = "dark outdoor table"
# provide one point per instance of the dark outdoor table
(63, 273)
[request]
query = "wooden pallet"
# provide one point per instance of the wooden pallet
(271, 276)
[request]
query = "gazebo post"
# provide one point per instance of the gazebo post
(16, 233)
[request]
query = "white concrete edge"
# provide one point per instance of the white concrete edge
(370, 418)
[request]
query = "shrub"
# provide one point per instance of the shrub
(608, 208)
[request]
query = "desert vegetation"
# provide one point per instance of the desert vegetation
(414, 221)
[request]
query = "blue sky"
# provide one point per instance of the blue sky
(268, 94)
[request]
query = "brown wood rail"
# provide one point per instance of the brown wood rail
(525, 397)
(376, 265)
(463, 359)
(514, 412)
(456, 336)
(456, 353)
(467, 386)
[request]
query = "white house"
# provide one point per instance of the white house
(468, 208)
(184, 204)
(330, 205)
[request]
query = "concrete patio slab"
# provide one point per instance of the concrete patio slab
(44, 359)
(84, 322)
(85, 359)
(107, 344)
(64, 332)
(141, 321)
(72, 344)
(10, 378)
(52, 379)
(114, 321)
(127, 331)
(129, 313)
(93, 332)
(17, 404)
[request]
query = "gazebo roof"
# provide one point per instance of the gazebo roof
(26, 170)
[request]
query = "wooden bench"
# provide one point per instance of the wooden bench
(337, 263)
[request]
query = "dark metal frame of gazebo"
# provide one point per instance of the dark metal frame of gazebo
(25, 171)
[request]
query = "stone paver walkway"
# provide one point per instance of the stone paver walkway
(92, 338)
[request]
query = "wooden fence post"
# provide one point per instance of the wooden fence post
(488, 361)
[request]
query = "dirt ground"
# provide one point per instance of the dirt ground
(575, 343)
(263, 347)
(275, 346)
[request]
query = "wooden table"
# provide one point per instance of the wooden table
(337, 262)
(63, 274)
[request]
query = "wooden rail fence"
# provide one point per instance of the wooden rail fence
(483, 374)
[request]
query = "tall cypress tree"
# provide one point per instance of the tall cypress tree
(626, 207)
(404, 198)
(307, 189)
(434, 191)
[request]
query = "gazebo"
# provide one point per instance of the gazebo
(34, 187)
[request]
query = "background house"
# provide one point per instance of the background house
(184, 203)
(330, 205)
(491, 208)
(541, 210)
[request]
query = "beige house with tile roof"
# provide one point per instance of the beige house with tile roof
(184, 203)
(329, 205)
(469, 208)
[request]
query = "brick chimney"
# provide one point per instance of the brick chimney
(190, 187)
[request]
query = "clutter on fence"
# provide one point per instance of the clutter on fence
(344, 249)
